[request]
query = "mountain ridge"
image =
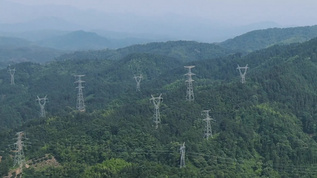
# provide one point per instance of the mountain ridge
(259, 39)
(77, 40)
(107, 47)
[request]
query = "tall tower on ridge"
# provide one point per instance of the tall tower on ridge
(80, 105)
(12, 72)
(207, 119)
(189, 83)
(182, 159)
(243, 72)
(156, 102)
(19, 158)
(138, 79)
(42, 102)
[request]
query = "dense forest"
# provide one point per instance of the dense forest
(259, 39)
(265, 127)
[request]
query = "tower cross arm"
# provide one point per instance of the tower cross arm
(243, 72)
(189, 67)
(246, 67)
(189, 74)
(79, 81)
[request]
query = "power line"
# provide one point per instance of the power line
(225, 160)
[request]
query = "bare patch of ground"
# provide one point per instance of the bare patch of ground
(46, 161)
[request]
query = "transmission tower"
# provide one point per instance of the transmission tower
(189, 83)
(207, 119)
(182, 160)
(19, 158)
(80, 105)
(243, 72)
(12, 72)
(138, 81)
(42, 102)
(156, 117)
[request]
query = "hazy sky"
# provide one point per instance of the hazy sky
(283, 12)
(204, 20)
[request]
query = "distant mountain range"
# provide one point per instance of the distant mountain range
(77, 40)
(53, 44)
(50, 44)
(11, 41)
(15, 50)
(82, 40)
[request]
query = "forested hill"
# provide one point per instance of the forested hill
(56, 80)
(260, 39)
(182, 50)
(265, 127)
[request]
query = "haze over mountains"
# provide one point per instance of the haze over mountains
(151, 28)
(120, 25)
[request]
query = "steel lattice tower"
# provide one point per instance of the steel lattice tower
(138, 81)
(243, 72)
(42, 102)
(19, 158)
(80, 105)
(12, 72)
(156, 117)
(207, 119)
(189, 83)
(182, 160)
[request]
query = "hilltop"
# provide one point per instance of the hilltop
(260, 39)
(181, 50)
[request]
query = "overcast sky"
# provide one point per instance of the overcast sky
(283, 12)
(169, 15)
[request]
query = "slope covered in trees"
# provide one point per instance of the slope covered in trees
(264, 128)
(260, 39)
(56, 80)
